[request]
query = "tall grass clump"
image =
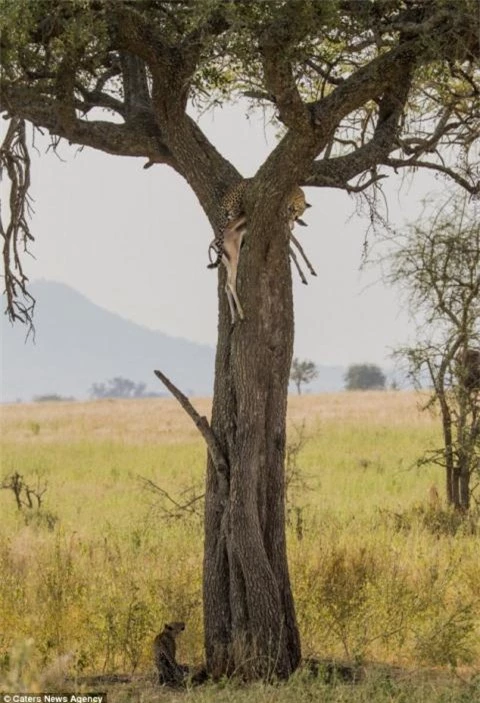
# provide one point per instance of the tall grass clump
(375, 597)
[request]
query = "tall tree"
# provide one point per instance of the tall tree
(359, 87)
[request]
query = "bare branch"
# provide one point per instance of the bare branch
(24, 494)
(179, 508)
(15, 159)
(417, 145)
(470, 187)
(93, 99)
(326, 75)
(201, 422)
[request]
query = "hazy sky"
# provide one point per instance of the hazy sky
(135, 242)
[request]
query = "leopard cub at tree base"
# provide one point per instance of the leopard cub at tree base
(170, 673)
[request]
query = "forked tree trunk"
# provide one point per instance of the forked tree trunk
(250, 625)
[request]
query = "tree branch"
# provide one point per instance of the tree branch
(326, 75)
(131, 32)
(93, 98)
(470, 187)
(201, 422)
(97, 97)
(172, 69)
(14, 158)
(156, 127)
(140, 139)
(383, 75)
(337, 171)
(279, 80)
(386, 78)
(179, 509)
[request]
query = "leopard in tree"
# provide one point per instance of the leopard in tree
(227, 245)
(232, 208)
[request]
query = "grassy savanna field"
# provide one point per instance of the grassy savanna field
(381, 572)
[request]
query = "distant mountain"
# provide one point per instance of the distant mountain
(79, 343)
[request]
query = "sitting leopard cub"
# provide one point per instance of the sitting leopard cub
(170, 673)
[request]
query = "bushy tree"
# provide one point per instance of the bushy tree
(118, 387)
(364, 377)
(437, 264)
(302, 372)
(358, 89)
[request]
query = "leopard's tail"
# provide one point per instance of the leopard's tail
(214, 246)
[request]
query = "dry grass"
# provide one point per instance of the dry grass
(156, 421)
(161, 420)
(376, 573)
(389, 408)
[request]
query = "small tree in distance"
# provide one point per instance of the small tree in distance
(364, 377)
(118, 387)
(303, 371)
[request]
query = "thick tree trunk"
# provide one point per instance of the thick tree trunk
(250, 625)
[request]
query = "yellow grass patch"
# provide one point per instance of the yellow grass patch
(377, 571)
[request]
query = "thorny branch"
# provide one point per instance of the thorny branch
(177, 508)
(15, 160)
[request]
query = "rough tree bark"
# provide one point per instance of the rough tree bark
(249, 613)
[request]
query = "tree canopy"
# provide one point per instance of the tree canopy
(358, 87)
(364, 377)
